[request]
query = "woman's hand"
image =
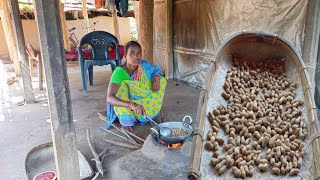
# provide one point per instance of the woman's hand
(138, 109)
(156, 83)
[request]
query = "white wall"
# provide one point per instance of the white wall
(104, 24)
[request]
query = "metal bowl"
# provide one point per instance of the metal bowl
(155, 131)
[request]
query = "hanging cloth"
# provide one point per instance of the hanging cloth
(121, 5)
(117, 2)
(98, 3)
(124, 7)
(110, 5)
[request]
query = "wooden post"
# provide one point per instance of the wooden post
(8, 32)
(85, 15)
(311, 40)
(145, 31)
(62, 126)
(169, 60)
(19, 37)
(64, 27)
(115, 23)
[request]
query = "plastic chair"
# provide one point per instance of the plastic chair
(99, 42)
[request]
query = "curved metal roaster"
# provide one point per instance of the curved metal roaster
(155, 131)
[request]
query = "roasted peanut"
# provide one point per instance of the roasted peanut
(267, 125)
(216, 112)
(208, 145)
(220, 164)
(263, 167)
(215, 129)
(215, 123)
(237, 172)
(215, 161)
(215, 154)
(212, 139)
(243, 172)
(263, 161)
(220, 141)
(275, 171)
(294, 172)
(222, 170)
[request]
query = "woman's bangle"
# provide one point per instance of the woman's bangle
(131, 105)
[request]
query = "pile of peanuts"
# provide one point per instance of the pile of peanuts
(262, 121)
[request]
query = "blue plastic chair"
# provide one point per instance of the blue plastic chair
(99, 42)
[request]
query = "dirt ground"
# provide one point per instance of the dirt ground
(23, 127)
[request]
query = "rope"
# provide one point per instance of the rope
(193, 171)
(315, 137)
(204, 90)
(198, 132)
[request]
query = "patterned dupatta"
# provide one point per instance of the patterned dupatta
(139, 90)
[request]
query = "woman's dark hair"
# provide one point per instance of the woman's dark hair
(130, 44)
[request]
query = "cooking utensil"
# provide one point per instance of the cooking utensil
(164, 131)
(155, 131)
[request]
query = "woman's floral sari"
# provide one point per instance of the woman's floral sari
(139, 90)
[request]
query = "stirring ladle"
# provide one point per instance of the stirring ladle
(164, 131)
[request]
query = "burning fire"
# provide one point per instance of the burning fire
(177, 145)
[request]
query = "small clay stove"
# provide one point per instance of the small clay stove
(155, 160)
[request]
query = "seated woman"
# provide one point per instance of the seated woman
(136, 89)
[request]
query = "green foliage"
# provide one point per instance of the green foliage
(26, 8)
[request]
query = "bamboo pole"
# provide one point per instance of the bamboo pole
(196, 150)
(85, 15)
(66, 43)
(115, 23)
(8, 32)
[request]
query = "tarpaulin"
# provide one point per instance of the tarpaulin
(200, 26)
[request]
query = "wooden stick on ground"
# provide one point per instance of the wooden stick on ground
(122, 137)
(134, 135)
(102, 117)
(129, 137)
(96, 157)
(126, 133)
(122, 144)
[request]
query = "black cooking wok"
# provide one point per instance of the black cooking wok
(155, 131)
